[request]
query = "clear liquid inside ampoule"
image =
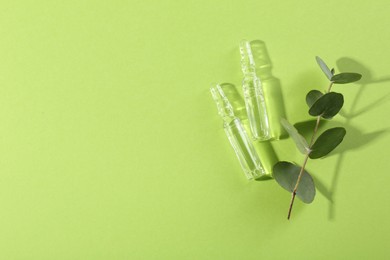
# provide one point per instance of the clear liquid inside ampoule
(256, 108)
(244, 149)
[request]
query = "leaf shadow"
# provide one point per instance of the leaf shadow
(322, 189)
(305, 128)
(356, 139)
(348, 64)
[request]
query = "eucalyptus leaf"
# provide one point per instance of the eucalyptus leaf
(327, 142)
(324, 68)
(328, 105)
(299, 140)
(286, 175)
(346, 77)
(313, 96)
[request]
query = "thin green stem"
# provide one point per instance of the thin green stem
(330, 86)
(293, 194)
(315, 131)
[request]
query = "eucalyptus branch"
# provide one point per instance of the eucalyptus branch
(296, 179)
(293, 194)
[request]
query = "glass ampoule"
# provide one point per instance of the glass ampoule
(253, 95)
(238, 138)
(255, 59)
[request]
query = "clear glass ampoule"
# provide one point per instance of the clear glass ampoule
(255, 59)
(253, 95)
(242, 145)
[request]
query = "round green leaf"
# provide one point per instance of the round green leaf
(313, 96)
(327, 142)
(346, 77)
(328, 105)
(299, 140)
(286, 175)
(324, 67)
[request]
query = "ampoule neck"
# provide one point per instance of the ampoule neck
(224, 107)
(254, 57)
(247, 59)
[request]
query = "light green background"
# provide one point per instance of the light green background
(111, 147)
